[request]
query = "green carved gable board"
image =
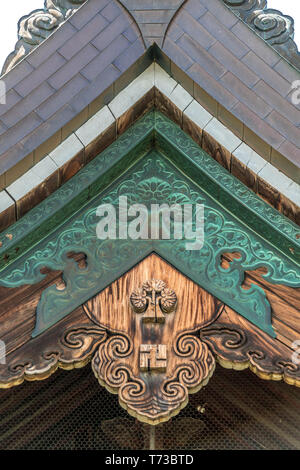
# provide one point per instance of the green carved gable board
(153, 162)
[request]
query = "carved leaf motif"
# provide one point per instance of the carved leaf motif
(139, 300)
(168, 300)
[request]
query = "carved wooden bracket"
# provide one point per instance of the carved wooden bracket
(149, 360)
(34, 28)
(152, 365)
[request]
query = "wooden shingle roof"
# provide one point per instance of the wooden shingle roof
(220, 54)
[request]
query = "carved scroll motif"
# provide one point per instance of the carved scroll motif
(153, 366)
(153, 357)
(34, 28)
(67, 347)
(274, 27)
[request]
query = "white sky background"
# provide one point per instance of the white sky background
(14, 9)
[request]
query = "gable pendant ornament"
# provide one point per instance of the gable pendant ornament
(154, 365)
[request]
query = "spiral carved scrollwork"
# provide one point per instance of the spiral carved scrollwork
(155, 298)
(153, 398)
(38, 25)
(274, 27)
(239, 349)
(111, 365)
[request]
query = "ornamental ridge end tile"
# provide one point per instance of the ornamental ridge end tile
(153, 19)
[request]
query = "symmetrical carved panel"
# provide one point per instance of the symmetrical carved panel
(153, 357)
(152, 365)
(274, 27)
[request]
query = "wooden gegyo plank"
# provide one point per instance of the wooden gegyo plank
(284, 300)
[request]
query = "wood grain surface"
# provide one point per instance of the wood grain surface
(189, 338)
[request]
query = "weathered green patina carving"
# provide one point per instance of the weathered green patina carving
(153, 162)
(273, 26)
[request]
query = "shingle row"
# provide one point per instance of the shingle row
(239, 70)
(64, 74)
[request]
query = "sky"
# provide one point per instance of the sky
(14, 9)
